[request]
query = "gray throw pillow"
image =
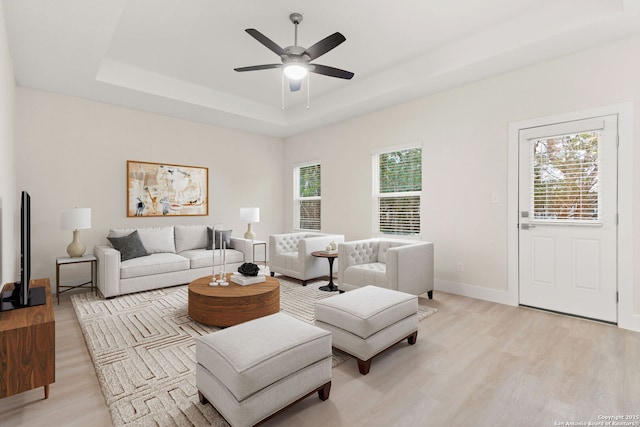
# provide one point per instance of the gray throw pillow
(129, 246)
(226, 238)
(209, 238)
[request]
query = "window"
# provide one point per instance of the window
(397, 191)
(307, 201)
(565, 178)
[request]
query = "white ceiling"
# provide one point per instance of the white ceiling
(176, 57)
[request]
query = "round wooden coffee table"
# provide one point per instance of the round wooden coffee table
(233, 304)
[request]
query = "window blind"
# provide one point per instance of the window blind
(310, 214)
(565, 171)
(399, 215)
(399, 190)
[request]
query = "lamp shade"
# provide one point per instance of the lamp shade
(75, 219)
(250, 215)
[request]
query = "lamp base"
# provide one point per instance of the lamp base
(76, 248)
(250, 235)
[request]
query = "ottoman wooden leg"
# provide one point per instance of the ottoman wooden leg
(323, 392)
(411, 339)
(202, 398)
(364, 366)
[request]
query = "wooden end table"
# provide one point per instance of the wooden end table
(330, 256)
(233, 304)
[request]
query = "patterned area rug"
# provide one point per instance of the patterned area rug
(143, 351)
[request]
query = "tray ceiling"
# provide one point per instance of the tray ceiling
(176, 57)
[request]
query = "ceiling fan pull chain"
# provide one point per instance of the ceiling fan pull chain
(282, 90)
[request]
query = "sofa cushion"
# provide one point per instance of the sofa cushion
(374, 273)
(203, 258)
(154, 239)
(364, 252)
(153, 264)
(250, 356)
(129, 246)
(190, 237)
(289, 242)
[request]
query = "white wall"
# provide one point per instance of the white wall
(9, 215)
(465, 143)
(73, 152)
(464, 132)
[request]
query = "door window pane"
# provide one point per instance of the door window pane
(565, 178)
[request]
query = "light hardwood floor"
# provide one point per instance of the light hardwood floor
(476, 363)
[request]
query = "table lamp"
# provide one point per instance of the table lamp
(250, 215)
(75, 219)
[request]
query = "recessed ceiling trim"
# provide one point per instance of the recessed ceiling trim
(126, 76)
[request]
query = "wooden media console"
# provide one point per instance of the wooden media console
(27, 346)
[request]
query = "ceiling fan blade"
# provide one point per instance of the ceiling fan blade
(270, 44)
(259, 67)
(294, 85)
(324, 45)
(330, 71)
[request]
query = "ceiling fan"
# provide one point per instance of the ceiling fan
(296, 60)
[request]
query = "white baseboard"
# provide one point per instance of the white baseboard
(630, 322)
(473, 291)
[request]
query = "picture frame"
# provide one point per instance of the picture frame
(165, 189)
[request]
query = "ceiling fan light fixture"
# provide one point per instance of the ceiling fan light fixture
(295, 71)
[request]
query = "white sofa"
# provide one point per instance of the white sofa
(290, 254)
(401, 265)
(178, 255)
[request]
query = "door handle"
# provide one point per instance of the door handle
(526, 226)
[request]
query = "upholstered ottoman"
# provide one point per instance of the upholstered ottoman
(251, 371)
(366, 321)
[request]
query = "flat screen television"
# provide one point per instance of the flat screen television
(22, 296)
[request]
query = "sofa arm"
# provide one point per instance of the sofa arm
(312, 266)
(317, 243)
(410, 268)
(243, 245)
(108, 270)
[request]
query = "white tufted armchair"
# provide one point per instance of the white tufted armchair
(290, 254)
(405, 266)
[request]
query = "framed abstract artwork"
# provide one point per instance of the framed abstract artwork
(162, 189)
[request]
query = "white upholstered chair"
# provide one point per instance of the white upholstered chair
(405, 266)
(290, 254)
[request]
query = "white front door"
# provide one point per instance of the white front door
(568, 217)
